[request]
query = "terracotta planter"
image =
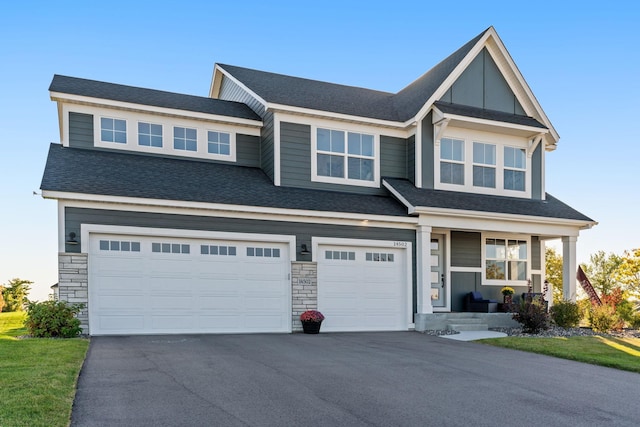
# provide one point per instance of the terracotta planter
(311, 327)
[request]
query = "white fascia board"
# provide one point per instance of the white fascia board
(404, 126)
(241, 85)
(530, 131)
(328, 122)
(101, 102)
(443, 217)
(410, 208)
(231, 211)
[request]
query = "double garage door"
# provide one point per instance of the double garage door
(165, 285)
(148, 285)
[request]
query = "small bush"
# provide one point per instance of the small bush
(53, 319)
(604, 318)
(635, 321)
(566, 314)
(532, 315)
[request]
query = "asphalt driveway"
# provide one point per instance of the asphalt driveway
(348, 379)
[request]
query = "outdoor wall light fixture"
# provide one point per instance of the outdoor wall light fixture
(304, 250)
(72, 239)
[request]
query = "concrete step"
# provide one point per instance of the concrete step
(467, 327)
(469, 320)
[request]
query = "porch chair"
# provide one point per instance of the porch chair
(474, 302)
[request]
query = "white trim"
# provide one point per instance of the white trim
(418, 155)
(400, 244)
(61, 227)
(150, 109)
(277, 173)
(361, 127)
(506, 237)
(478, 123)
(400, 197)
(465, 269)
(241, 85)
(229, 211)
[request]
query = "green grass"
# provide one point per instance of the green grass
(618, 353)
(37, 375)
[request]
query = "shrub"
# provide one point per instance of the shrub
(532, 315)
(566, 314)
(604, 318)
(53, 319)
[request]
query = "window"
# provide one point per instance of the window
(340, 255)
(170, 248)
(514, 168)
(484, 162)
(185, 139)
(218, 143)
(346, 155)
(218, 250)
(117, 245)
(506, 259)
(378, 257)
(149, 135)
(113, 130)
(452, 161)
(263, 252)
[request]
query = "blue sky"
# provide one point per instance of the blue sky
(581, 60)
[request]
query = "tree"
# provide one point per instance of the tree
(628, 272)
(15, 294)
(601, 271)
(553, 271)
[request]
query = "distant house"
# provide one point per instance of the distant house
(55, 292)
(275, 194)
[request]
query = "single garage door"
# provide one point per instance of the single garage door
(147, 285)
(362, 288)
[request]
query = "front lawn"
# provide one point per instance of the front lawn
(37, 375)
(618, 353)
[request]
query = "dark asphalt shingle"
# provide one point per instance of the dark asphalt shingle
(112, 173)
(156, 98)
(421, 197)
(481, 113)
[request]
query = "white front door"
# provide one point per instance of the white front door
(438, 282)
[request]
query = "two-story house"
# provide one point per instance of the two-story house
(237, 211)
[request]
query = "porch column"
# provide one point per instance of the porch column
(423, 269)
(569, 267)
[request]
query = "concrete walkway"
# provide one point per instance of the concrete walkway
(474, 335)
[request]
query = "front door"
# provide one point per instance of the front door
(438, 284)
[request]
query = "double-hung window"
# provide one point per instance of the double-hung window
(185, 139)
(149, 134)
(218, 143)
(346, 155)
(514, 168)
(452, 161)
(484, 165)
(113, 130)
(505, 259)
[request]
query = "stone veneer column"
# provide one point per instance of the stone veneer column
(73, 279)
(304, 291)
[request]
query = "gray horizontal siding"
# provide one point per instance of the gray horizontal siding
(428, 150)
(80, 130)
(393, 157)
(411, 158)
(536, 173)
(266, 145)
(230, 91)
(466, 249)
(248, 150)
(536, 255)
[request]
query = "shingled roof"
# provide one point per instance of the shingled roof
(156, 98)
(324, 96)
(422, 197)
(110, 173)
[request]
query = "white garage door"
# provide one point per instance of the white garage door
(147, 285)
(362, 289)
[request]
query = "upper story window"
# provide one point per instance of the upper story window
(484, 165)
(149, 134)
(452, 161)
(185, 139)
(113, 130)
(515, 164)
(505, 260)
(344, 157)
(218, 143)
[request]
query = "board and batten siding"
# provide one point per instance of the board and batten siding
(80, 130)
(393, 157)
(230, 91)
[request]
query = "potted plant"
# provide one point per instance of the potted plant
(507, 293)
(311, 321)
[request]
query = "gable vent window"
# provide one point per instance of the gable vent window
(113, 130)
(347, 156)
(452, 161)
(185, 139)
(170, 248)
(149, 135)
(218, 143)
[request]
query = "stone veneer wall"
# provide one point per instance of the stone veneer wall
(73, 279)
(304, 291)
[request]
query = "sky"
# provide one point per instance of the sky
(581, 60)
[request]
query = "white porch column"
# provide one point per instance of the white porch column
(423, 268)
(569, 267)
